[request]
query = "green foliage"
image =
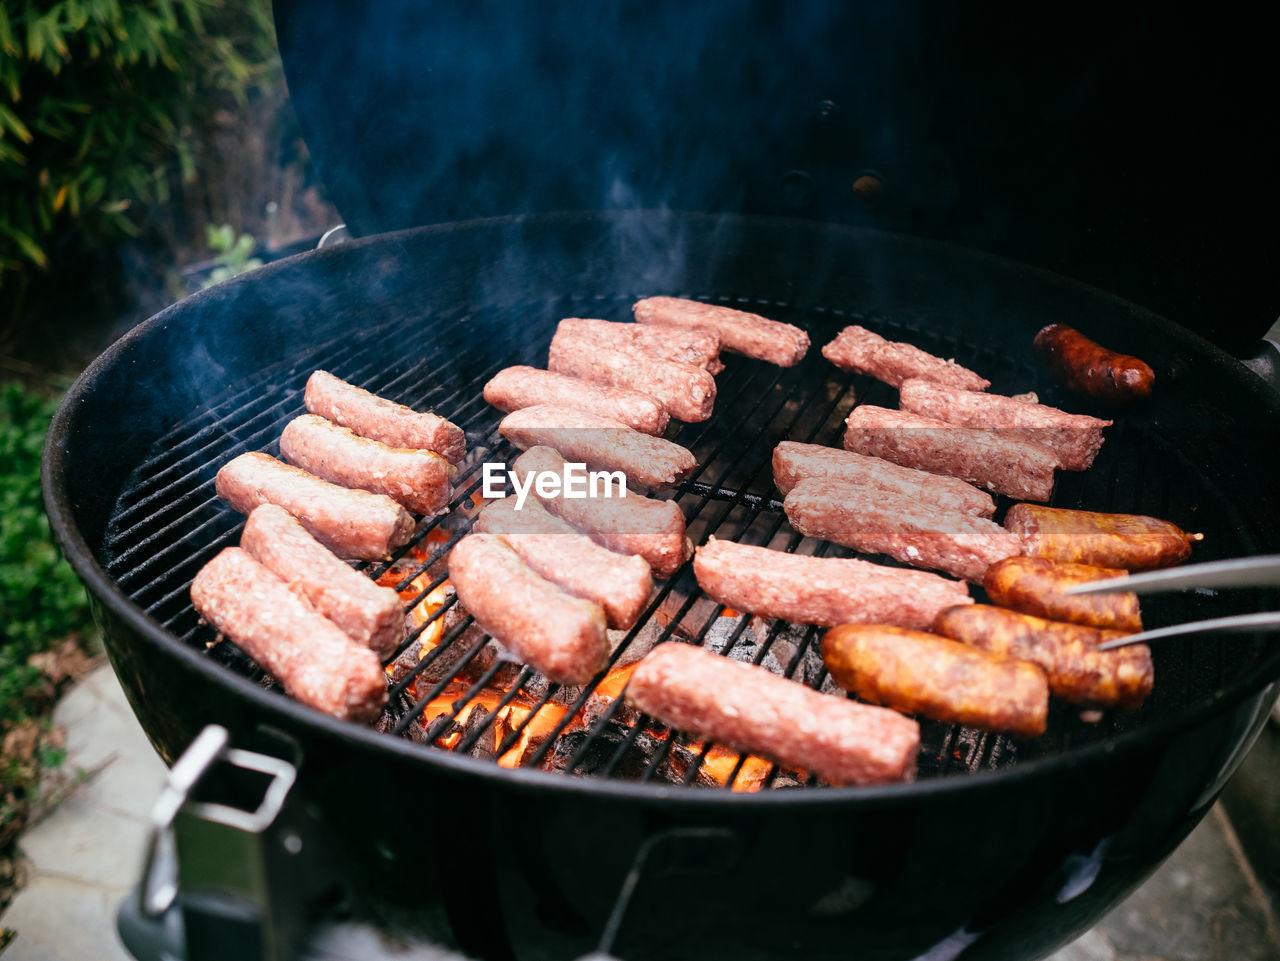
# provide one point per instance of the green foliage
(41, 601)
(231, 253)
(98, 101)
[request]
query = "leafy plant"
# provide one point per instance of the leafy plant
(231, 253)
(98, 103)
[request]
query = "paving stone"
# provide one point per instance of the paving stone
(129, 785)
(59, 920)
(81, 841)
(97, 732)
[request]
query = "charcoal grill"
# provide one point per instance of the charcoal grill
(1001, 848)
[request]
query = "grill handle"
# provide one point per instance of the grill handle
(1266, 362)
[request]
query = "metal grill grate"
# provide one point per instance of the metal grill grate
(168, 523)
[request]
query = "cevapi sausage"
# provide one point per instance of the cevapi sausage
(686, 391)
(1088, 367)
(370, 615)
(1005, 465)
(1133, 542)
(517, 387)
(794, 462)
(739, 331)
(380, 419)
(421, 480)
(1077, 671)
(653, 529)
(619, 583)
(351, 523)
(914, 532)
(599, 442)
(560, 635)
(752, 709)
(921, 673)
(821, 590)
(687, 345)
(1075, 438)
(1035, 585)
(309, 655)
(866, 352)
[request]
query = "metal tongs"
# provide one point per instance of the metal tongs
(1240, 572)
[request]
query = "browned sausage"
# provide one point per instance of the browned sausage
(752, 709)
(380, 419)
(1090, 368)
(740, 331)
(368, 614)
(351, 523)
(421, 480)
(601, 443)
(866, 352)
(560, 635)
(308, 654)
(685, 344)
(1077, 671)
(821, 590)
(1035, 585)
(1130, 541)
(653, 529)
(925, 674)
(619, 583)
(517, 387)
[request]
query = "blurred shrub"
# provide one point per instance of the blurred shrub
(98, 103)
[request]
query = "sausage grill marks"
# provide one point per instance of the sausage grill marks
(517, 387)
(1133, 542)
(1035, 585)
(1091, 369)
(739, 331)
(921, 673)
(752, 709)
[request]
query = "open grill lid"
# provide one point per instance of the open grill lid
(1126, 154)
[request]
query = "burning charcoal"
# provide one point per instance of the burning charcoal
(597, 705)
(634, 761)
(639, 646)
(476, 727)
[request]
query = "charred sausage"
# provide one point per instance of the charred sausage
(752, 709)
(368, 614)
(793, 462)
(421, 480)
(311, 658)
(821, 590)
(619, 583)
(517, 387)
(1035, 585)
(1075, 438)
(866, 352)
(925, 674)
(1077, 671)
(740, 331)
(1091, 369)
(1133, 542)
(380, 419)
(560, 635)
(351, 523)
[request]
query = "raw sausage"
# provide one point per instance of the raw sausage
(752, 709)
(560, 635)
(1035, 585)
(351, 523)
(865, 352)
(1077, 671)
(1090, 368)
(370, 615)
(380, 419)
(925, 674)
(619, 583)
(903, 527)
(1075, 438)
(1130, 541)
(794, 462)
(684, 344)
(421, 480)
(741, 332)
(311, 658)
(518, 387)
(1004, 465)
(821, 590)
